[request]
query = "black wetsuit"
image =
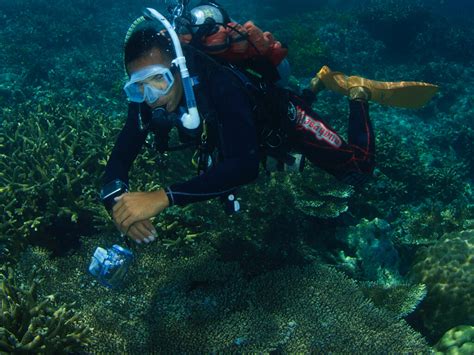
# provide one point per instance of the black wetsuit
(238, 144)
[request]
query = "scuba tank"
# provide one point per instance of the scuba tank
(209, 12)
(209, 28)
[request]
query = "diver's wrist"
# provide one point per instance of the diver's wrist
(163, 200)
(169, 195)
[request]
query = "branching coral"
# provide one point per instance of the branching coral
(427, 222)
(447, 268)
(29, 324)
(51, 161)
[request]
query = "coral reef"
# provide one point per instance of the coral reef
(293, 32)
(61, 105)
(371, 252)
(424, 189)
(210, 307)
(318, 194)
(279, 212)
(281, 217)
(401, 299)
(447, 269)
(74, 50)
(51, 158)
(381, 18)
(29, 324)
(458, 340)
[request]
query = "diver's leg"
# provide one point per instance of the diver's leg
(352, 162)
(362, 139)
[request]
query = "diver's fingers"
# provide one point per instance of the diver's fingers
(127, 221)
(119, 203)
(150, 227)
(120, 216)
(140, 233)
(118, 209)
(136, 234)
(146, 234)
(124, 232)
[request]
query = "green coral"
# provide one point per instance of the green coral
(447, 269)
(210, 306)
(29, 324)
(50, 159)
(456, 341)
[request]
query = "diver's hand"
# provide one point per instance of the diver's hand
(132, 207)
(141, 231)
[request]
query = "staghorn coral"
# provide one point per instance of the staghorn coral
(29, 324)
(210, 307)
(51, 159)
(447, 269)
(458, 340)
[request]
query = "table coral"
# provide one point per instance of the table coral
(210, 306)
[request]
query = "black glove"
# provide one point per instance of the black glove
(110, 191)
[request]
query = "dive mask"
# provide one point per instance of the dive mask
(149, 84)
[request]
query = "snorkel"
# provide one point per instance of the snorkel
(189, 119)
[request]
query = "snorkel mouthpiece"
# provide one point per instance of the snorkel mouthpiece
(190, 120)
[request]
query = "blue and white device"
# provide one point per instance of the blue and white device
(110, 266)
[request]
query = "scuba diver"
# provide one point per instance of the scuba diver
(220, 85)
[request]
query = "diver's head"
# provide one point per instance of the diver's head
(152, 78)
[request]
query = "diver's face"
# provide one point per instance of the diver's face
(171, 100)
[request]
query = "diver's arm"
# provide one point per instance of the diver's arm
(218, 181)
(127, 147)
(238, 146)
